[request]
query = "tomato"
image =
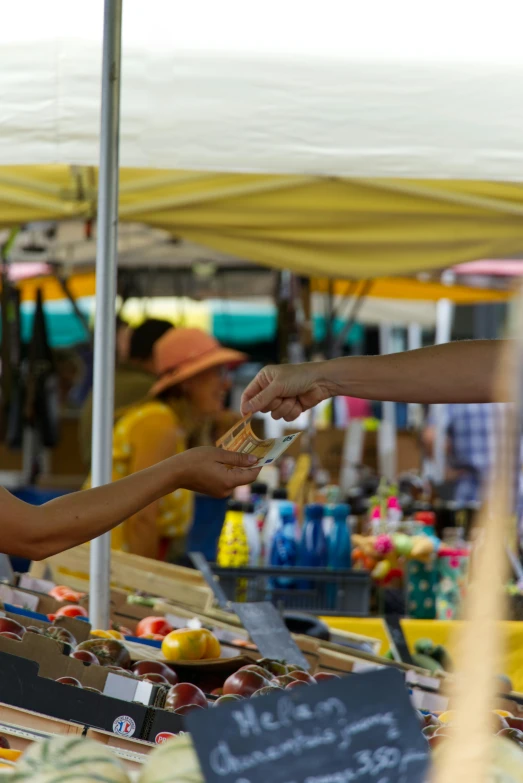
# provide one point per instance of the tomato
(11, 626)
(62, 593)
(60, 635)
(106, 634)
(110, 652)
(212, 649)
(185, 645)
(71, 611)
(156, 625)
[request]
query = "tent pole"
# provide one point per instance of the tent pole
(444, 321)
(104, 335)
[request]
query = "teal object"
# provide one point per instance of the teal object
(312, 551)
(452, 584)
(422, 583)
(339, 547)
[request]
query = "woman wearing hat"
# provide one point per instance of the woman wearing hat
(192, 371)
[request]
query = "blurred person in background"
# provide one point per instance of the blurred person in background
(472, 430)
(133, 376)
(191, 386)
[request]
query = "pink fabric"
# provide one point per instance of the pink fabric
(358, 409)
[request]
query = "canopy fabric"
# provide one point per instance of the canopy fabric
(413, 290)
(337, 227)
(374, 89)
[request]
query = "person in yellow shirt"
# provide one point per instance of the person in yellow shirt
(191, 387)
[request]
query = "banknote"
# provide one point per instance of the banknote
(242, 438)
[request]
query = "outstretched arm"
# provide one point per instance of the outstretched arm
(454, 372)
(38, 532)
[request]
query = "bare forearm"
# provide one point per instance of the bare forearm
(74, 519)
(454, 372)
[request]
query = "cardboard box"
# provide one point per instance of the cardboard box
(164, 725)
(22, 686)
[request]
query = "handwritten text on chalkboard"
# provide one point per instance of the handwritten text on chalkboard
(327, 733)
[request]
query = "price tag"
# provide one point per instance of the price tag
(269, 633)
(360, 728)
(200, 562)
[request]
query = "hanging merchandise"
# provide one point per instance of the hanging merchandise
(42, 400)
(422, 575)
(14, 405)
(284, 548)
(272, 522)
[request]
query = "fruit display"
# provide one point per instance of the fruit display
(176, 754)
(70, 758)
(187, 644)
(109, 652)
(153, 626)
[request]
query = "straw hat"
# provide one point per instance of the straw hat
(183, 353)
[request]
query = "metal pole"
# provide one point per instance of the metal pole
(444, 320)
(104, 334)
(387, 435)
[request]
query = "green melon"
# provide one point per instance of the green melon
(69, 760)
(175, 761)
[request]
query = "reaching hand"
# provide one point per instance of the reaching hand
(286, 391)
(216, 472)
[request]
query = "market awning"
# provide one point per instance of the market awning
(345, 228)
(413, 290)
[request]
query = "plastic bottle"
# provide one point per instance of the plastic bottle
(339, 547)
(272, 522)
(250, 525)
(284, 548)
(394, 514)
(233, 547)
(312, 551)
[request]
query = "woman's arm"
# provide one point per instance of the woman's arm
(454, 372)
(37, 532)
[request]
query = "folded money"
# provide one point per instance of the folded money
(241, 438)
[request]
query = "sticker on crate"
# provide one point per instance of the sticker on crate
(124, 726)
(163, 736)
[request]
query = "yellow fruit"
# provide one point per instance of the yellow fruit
(503, 713)
(447, 717)
(185, 645)
(213, 649)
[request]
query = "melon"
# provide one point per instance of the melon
(175, 761)
(69, 760)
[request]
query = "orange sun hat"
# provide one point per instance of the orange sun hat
(183, 353)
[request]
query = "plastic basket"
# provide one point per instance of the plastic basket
(316, 590)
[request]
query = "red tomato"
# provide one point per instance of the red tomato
(153, 625)
(61, 593)
(71, 611)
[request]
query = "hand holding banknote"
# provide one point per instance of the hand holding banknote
(242, 439)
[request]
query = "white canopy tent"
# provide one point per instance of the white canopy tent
(345, 88)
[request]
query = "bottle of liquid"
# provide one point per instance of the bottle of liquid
(339, 547)
(233, 547)
(272, 522)
(284, 548)
(250, 525)
(312, 551)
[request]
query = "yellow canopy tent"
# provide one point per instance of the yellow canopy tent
(358, 228)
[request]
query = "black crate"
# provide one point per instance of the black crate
(319, 591)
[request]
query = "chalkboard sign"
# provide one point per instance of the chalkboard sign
(360, 728)
(398, 643)
(269, 633)
(200, 562)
